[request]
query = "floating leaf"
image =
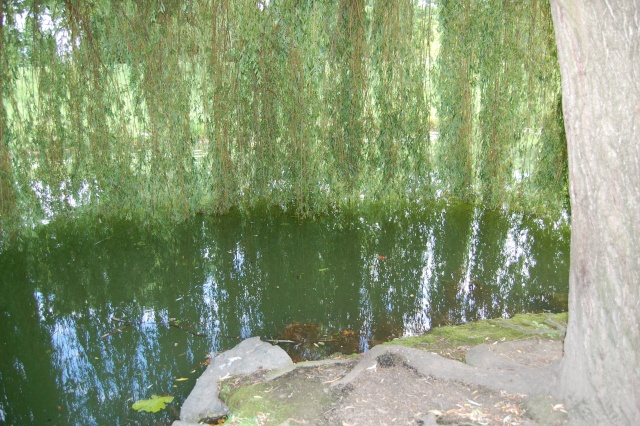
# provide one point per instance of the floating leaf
(181, 379)
(153, 405)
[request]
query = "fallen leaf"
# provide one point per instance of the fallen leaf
(559, 407)
(181, 379)
(153, 405)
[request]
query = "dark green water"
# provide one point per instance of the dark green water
(230, 277)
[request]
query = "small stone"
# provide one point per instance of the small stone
(428, 419)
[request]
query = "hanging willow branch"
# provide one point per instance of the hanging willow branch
(7, 196)
(161, 110)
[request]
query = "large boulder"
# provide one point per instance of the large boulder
(246, 358)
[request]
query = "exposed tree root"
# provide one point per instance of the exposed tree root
(484, 368)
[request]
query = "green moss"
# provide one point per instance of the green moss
(247, 403)
(562, 317)
(454, 341)
(291, 396)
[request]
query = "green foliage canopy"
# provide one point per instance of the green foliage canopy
(166, 109)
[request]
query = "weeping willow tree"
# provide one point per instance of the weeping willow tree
(502, 138)
(166, 109)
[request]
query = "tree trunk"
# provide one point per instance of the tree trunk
(599, 54)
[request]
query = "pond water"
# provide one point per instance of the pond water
(93, 321)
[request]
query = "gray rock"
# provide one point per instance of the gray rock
(246, 358)
(428, 419)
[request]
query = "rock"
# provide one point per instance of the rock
(543, 411)
(428, 419)
(246, 358)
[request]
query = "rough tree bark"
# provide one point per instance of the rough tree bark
(599, 53)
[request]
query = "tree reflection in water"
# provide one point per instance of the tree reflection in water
(349, 282)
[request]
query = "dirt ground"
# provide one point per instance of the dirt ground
(392, 392)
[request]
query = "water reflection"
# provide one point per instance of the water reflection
(94, 320)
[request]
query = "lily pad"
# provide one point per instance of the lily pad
(153, 405)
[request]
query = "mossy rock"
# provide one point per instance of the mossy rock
(253, 401)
